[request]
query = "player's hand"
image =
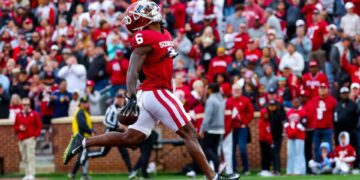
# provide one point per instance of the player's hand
(201, 135)
(130, 107)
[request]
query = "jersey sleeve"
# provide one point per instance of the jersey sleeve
(142, 38)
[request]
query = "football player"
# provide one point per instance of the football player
(151, 62)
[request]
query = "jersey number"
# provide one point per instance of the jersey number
(139, 39)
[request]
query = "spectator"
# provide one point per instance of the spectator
(268, 39)
(344, 155)
(337, 52)
(227, 143)
(179, 11)
(241, 125)
(60, 100)
(293, 15)
(94, 98)
(258, 30)
(313, 79)
(169, 19)
(195, 105)
(213, 125)
(183, 46)
(207, 46)
(351, 70)
(74, 74)
(265, 141)
(218, 64)
(74, 103)
(316, 32)
(82, 124)
(4, 81)
(27, 127)
(344, 120)
(324, 107)
(269, 80)
(97, 68)
(292, 59)
(295, 132)
(117, 70)
(238, 63)
(273, 22)
(229, 38)
(237, 18)
(277, 117)
(4, 103)
(302, 43)
(241, 40)
(21, 85)
(324, 165)
(15, 106)
(252, 10)
(351, 21)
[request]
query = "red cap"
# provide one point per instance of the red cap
(323, 85)
(28, 21)
(182, 31)
(313, 63)
(7, 2)
(90, 83)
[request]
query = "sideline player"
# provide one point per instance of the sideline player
(152, 62)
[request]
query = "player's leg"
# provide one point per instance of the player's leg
(164, 106)
(188, 133)
(136, 134)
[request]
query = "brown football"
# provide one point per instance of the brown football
(127, 120)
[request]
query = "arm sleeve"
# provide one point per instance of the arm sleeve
(250, 112)
(38, 125)
(79, 70)
(82, 123)
(95, 97)
(63, 71)
(16, 124)
(208, 113)
(307, 45)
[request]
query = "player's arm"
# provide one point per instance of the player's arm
(137, 59)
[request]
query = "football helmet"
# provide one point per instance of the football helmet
(140, 14)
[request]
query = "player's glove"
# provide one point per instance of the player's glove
(130, 106)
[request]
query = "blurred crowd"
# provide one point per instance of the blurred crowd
(297, 62)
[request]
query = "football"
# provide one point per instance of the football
(127, 120)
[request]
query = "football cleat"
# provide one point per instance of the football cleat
(73, 148)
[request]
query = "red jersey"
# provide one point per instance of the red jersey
(316, 32)
(240, 41)
(32, 123)
(294, 128)
(310, 113)
(182, 92)
(253, 55)
(347, 152)
(117, 70)
(179, 11)
(218, 65)
(231, 113)
(157, 69)
(312, 83)
(264, 128)
(324, 109)
(196, 110)
(352, 70)
(246, 111)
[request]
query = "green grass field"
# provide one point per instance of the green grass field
(167, 176)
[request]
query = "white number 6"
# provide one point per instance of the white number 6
(139, 39)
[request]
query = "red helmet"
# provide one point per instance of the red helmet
(140, 14)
